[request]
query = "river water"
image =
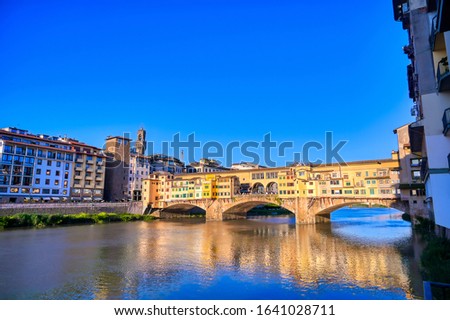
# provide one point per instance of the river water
(361, 254)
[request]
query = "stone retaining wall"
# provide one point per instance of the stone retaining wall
(70, 208)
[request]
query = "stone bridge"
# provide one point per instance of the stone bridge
(306, 210)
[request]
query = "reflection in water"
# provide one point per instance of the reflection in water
(362, 254)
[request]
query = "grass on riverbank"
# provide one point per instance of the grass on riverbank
(435, 260)
(49, 220)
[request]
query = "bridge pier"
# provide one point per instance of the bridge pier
(304, 217)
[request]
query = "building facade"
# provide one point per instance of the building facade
(46, 168)
(365, 179)
(88, 181)
(117, 151)
(428, 27)
(412, 188)
(205, 165)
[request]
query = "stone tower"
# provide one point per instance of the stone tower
(141, 143)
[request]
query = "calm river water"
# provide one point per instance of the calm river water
(362, 254)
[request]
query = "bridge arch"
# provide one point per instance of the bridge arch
(272, 188)
(240, 210)
(258, 188)
(322, 215)
(180, 210)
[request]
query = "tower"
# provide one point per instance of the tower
(141, 143)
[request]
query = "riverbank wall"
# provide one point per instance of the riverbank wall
(70, 208)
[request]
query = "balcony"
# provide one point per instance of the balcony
(88, 178)
(443, 75)
(446, 121)
(89, 161)
(90, 169)
(79, 160)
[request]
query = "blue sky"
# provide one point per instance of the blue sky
(226, 70)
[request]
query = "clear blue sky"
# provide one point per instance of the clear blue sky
(224, 69)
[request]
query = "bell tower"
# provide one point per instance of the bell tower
(141, 143)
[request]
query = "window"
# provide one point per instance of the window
(18, 159)
(16, 180)
(7, 158)
(40, 153)
(66, 166)
(25, 190)
(66, 183)
(358, 174)
(57, 173)
(38, 171)
(66, 175)
(48, 172)
(14, 190)
(415, 162)
(28, 171)
(69, 157)
(39, 162)
(31, 152)
(4, 180)
(59, 156)
(415, 174)
(51, 155)
(37, 181)
(58, 164)
(56, 182)
(49, 163)
(55, 191)
(20, 150)
(29, 160)
(6, 169)
(45, 191)
(8, 149)
(47, 182)
(36, 190)
(27, 181)
(348, 192)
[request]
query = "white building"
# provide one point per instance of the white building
(34, 167)
(428, 25)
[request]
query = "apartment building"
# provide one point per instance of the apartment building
(88, 181)
(428, 27)
(38, 167)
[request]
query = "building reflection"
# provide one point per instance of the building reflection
(307, 255)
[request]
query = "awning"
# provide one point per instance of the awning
(98, 199)
(55, 198)
(46, 199)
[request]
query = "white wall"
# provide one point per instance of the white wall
(440, 188)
